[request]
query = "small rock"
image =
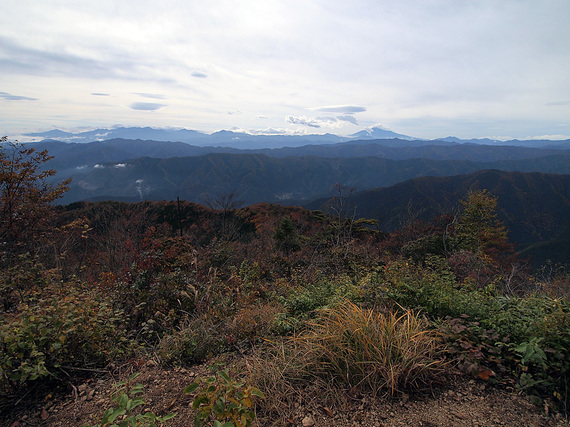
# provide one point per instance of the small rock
(308, 421)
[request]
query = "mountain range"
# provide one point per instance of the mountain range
(244, 140)
(391, 174)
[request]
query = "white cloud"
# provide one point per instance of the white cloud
(548, 137)
(349, 119)
(304, 121)
(420, 67)
(268, 131)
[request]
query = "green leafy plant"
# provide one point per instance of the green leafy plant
(531, 352)
(125, 396)
(62, 330)
(229, 401)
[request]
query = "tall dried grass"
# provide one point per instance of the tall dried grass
(347, 349)
(372, 350)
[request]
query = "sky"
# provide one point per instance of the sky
(424, 68)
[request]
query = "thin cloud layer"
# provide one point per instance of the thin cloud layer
(146, 106)
(341, 109)
(11, 97)
(151, 95)
(349, 119)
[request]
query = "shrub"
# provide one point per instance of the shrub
(75, 328)
(226, 399)
(252, 323)
(199, 339)
(301, 303)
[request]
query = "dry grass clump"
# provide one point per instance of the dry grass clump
(279, 370)
(347, 348)
(373, 350)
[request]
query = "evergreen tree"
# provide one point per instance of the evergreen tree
(478, 229)
(286, 236)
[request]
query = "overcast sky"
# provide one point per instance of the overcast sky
(423, 68)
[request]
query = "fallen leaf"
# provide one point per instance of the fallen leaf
(486, 374)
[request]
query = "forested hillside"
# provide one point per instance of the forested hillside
(259, 178)
(312, 306)
(535, 207)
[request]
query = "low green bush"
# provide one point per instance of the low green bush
(486, 330)
(301, 303)
(225, 399)
(67, 328)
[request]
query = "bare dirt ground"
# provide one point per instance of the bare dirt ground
(461, 402)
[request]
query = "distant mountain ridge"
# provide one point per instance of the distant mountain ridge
(221, 138)
(243, 140)
(390, 175)
(69, 156)
(529, 202)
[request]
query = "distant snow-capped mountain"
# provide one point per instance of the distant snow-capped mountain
(377, 132)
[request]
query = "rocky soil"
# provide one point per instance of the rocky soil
(461, 402)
